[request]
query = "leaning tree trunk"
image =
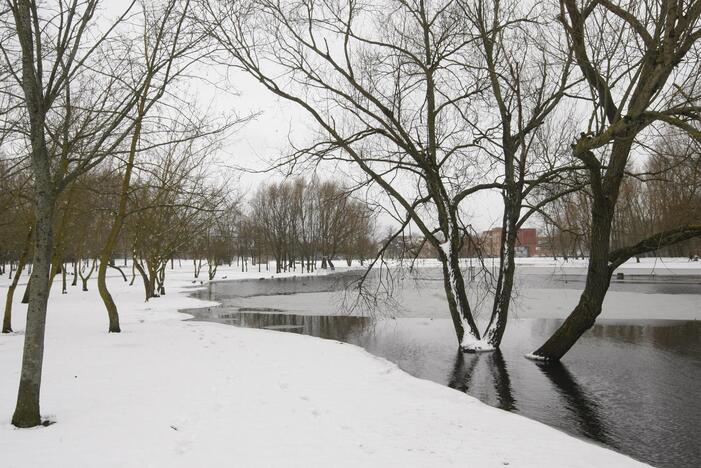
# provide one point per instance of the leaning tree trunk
(7, 318)
(588, 309)
(27, 410)
(149, 281)
(117, 223)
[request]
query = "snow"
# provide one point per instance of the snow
(535, 357)
(168, 393)
(471, 345)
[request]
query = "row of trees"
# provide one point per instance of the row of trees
(169, 206)
(311, 220)
(173, 212)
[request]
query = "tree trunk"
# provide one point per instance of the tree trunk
(505, 280)
(120, 215)
(27, 289)
(27, 410)
(121, 272)
(75, 273)
(198, 267)
(7, 318)
(597, 283)
(133, 272)
(85, 278)
(64, 284)
(144, 277)
(458, 305)
(161, 278)
(151, 285)
(112, 312)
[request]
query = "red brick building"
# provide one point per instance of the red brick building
(526, 242)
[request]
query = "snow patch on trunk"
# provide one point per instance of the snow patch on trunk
(471, 344)
(535, 357)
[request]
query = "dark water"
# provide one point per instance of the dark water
(631, 386)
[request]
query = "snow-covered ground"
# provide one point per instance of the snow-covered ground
(168, 392)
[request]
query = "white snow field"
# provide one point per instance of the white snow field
(173, 393)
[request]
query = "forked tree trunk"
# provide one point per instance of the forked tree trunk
(84, 278)
(458, 305)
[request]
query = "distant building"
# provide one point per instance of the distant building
(488, 245)
(526, 242)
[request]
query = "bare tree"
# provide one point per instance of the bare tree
(388, 87)
(171, 205)
(528, 76)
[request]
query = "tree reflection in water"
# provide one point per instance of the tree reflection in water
(465, 368)
(585, 410)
